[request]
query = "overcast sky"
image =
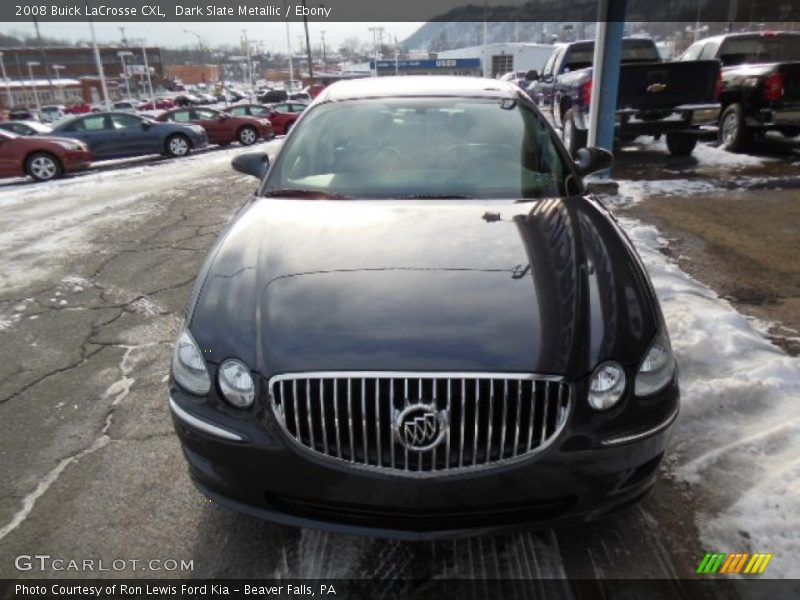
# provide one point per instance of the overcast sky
(272, 35)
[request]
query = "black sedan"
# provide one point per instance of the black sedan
(423, 325)
(118, 135)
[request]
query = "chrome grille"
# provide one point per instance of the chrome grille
(488, 418)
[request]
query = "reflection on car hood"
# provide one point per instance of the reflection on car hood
(545, 287)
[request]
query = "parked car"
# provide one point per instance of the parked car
(272, 96)
(760, 84)
(283, 115)
(52, 113)
(42, 158)
(26, 127)
(123, 106)
(401, 329)
(20, 113)
(252, 110)
(79, 108)
(655, 98)
(187, 100)
(222, 128)
(117, 135)
(160, 104)
(207, 98)
(300, 97)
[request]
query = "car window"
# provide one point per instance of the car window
(581, 55)
(473, 147)
(238, 111)
(709, 51)
(204, 113)
(297, 108)
(259, 110)
(548, 66)
(759, 49)
(93, 123)
(125, 121)
(281, 108)
(180, 116)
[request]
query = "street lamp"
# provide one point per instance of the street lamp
(59, 85)
(31, 64)
(5, 79)
(122, 54)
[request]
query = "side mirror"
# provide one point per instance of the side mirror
(532, 75)
(252, 163)
(592, 160)
(223, 117)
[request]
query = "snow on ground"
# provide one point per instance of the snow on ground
(706, 155)
(737, 440)
(45, 222)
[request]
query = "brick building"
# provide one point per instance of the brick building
(193, 74)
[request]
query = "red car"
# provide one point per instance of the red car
(222, 128)
(79, 109)
(43, 158)
(283, 115)
(161, 104)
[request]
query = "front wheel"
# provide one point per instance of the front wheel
(734, 134)
(574, 138)
(247, 136)
(681, 144)
(178, 145)
(43, 166)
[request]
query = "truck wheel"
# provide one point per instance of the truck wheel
(681, 144)
(734, 135)
(574, 137)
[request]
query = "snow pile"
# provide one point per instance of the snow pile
(737, 440)
(631, 192)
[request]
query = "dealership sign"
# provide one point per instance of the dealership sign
(437, 63)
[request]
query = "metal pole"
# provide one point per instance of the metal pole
(324, 61)
(149, 80)
(249, 64)
(5, 79)
(125, 75)
(485, 31)
(605, 74)
(32, 64)
(308, 47)
(57, 69)
(98, 62)
(289, 43)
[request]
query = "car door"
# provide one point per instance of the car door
(215, 125)
(280, 117)
(9, 156)
(132, 137)
(97, 132)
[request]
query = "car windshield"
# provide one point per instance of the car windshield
(421, 147)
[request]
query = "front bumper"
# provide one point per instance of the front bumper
(76, 160)
(249, 465)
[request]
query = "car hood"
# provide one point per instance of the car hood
(550, 287)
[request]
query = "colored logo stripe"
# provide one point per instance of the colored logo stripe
(719, 562)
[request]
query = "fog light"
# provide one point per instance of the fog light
(606, 386)
(236, 383)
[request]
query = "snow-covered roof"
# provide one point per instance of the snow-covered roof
(26, 83)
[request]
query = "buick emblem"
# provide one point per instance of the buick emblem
(420, 427)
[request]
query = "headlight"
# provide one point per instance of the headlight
(188, 366)
(606, 386)
(236, 383)
(71, 145)
(657, 368)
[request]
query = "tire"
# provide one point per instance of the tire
(247, 135)
(573, 137)
(681, 144)
(43, 166)
(734, 135)
(177, 145)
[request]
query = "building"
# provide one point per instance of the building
(64, 91)
(428, 66)
(500, 59)
(78, 63)
(192, 74)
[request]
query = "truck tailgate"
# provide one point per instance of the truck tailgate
(659, 86)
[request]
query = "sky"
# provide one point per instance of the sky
(272, 35)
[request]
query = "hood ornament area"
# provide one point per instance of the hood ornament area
(420, 427)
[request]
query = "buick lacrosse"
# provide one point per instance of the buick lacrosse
(423, 325)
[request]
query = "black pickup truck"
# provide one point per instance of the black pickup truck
(655, 97)
(760, 84)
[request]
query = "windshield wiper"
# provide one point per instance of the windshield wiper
(310, 194)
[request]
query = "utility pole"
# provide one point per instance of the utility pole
(124, 40)
(59, 85)
(98, 62)
(31, 64)
(308, 47)
(249, 63)
(5, 80)
(375, 32)
(43, 55)
(122, 54)
(149, 80)
(289, 43)
(485, 31)
(324, 61)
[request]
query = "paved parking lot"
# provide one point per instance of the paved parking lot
(96, 273)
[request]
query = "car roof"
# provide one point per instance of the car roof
(742, 34)
(418, 86)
